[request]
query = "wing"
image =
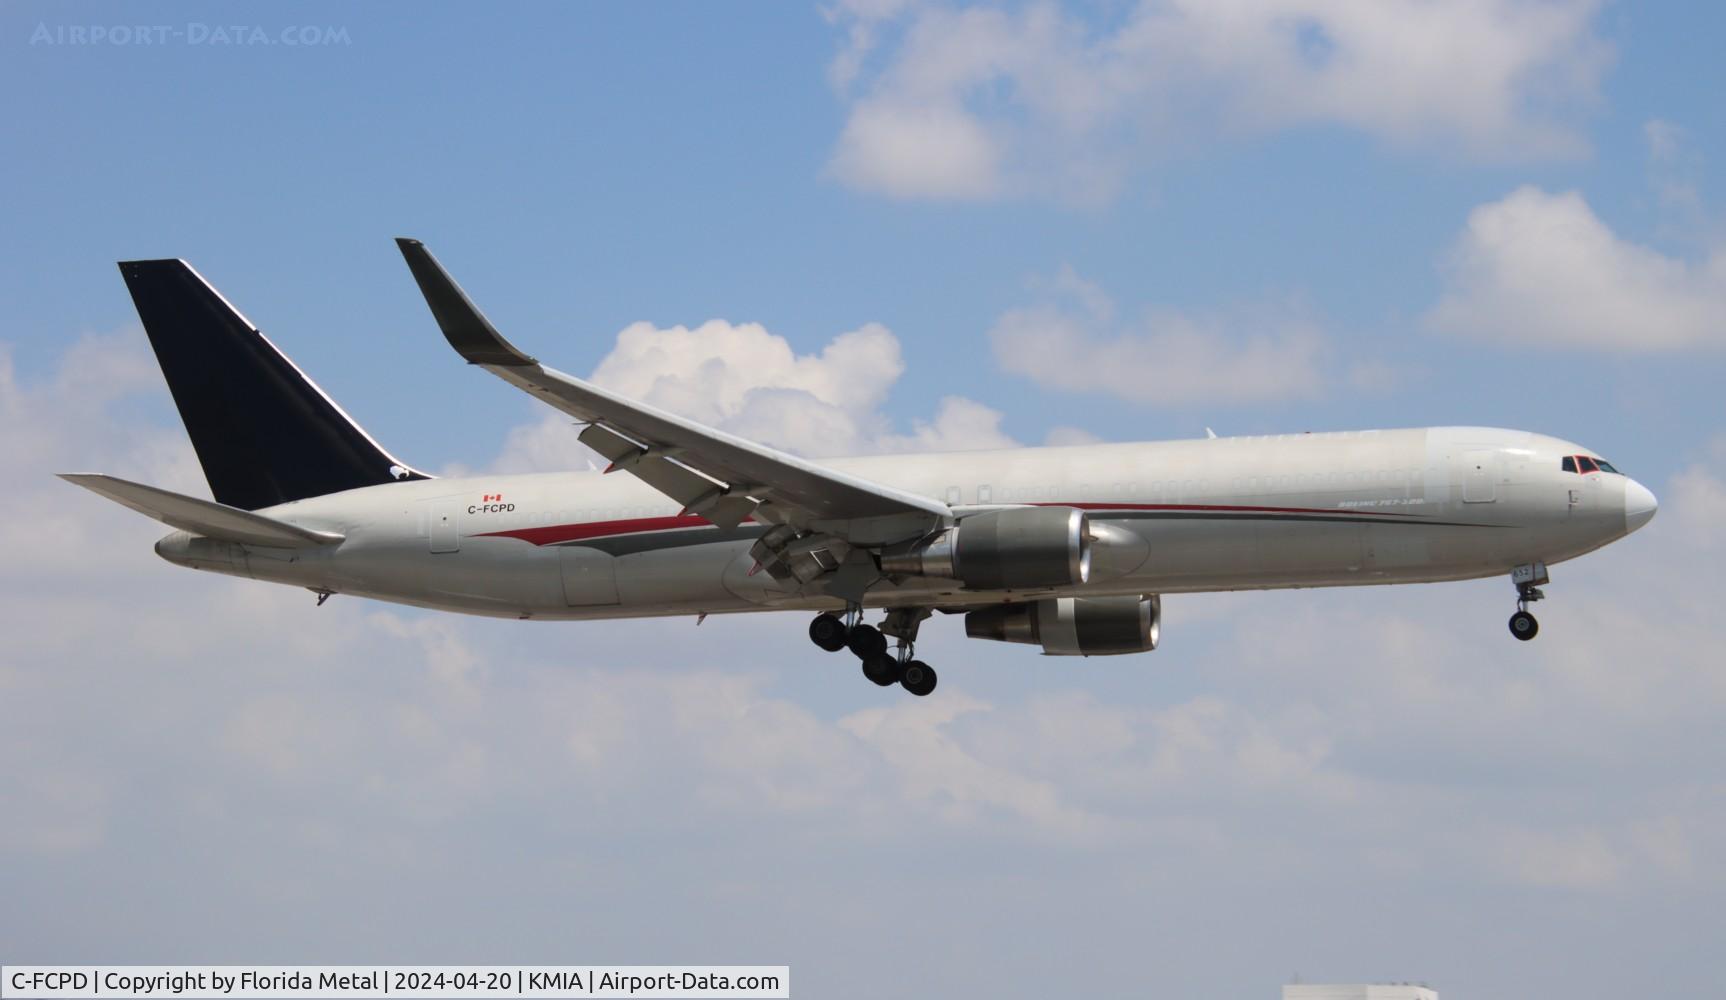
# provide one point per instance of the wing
(723, 477)
(202, 517)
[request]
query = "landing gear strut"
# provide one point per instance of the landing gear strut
(1528, 579)
(869, 644)
(915, 676)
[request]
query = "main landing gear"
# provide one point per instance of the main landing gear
(1528, 579)
(869, 644)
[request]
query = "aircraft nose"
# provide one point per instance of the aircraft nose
(1639, 505)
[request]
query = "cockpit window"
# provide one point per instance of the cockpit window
(1586, 464)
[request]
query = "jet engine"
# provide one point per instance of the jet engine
(1017, 549)
(1074, 626)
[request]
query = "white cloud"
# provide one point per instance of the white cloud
(1064, 436)
(746, 380)
(927, 151)
(724, 785)
(1165, 357)
(1566, 860)
(1665, 139)
(711, 372)
(979, 102)
(1699, 505)
(1675, 170)
(1542, 269)
(959, 424)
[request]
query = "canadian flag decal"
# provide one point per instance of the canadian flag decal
(491, 497)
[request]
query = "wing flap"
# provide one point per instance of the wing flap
(721, 503)
(202, 517)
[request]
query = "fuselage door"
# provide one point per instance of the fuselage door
(589, 576)
(445, 527)
(1584, 493)
(1480, 476)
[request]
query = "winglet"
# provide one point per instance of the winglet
(463, 325)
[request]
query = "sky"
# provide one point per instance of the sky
(878, 226)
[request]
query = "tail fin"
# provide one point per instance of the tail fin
(264, 432)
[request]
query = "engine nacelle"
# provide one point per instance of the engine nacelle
(1074, 626)
(1018, 549)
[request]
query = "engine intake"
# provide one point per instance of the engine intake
(1074, 626)
(1017, 549)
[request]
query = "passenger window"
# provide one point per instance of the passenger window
(1569, 463)
(952, 496)
(983, 494)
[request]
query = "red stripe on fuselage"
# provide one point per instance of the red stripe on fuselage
(552, 534)
(1225, 508)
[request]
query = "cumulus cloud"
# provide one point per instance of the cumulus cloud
(318, 776)
(1675, 173)
(1163, 357)
(1542, 269)
(934, 151)
(1700, 506)
(744, 379)
(978, 102)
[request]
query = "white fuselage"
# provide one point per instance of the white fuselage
(1300, 510)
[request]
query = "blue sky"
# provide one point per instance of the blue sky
(1524, 233)
(611, 165)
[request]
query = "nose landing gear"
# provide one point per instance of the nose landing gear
(1528, 579)
(833, 633)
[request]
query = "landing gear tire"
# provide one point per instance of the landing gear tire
(1523, 626)
(881, 668)
(866, 641)
(828, 632)
(918, 678)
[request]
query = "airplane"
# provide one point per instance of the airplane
(1066, 548)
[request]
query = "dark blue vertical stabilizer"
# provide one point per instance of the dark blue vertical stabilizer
(264, 432)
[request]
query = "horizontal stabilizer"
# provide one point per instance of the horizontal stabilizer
(202, 517)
